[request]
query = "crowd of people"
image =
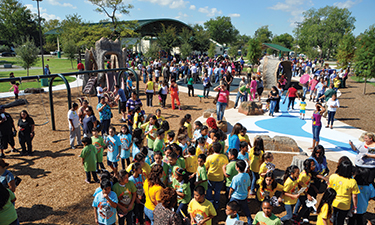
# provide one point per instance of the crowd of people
(148, 174)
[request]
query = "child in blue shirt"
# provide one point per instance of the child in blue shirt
(239, 189)
(243, 153)
(232, 210)
(126, 140)
(114, 147)
(138, 179)
(367, 192)
(197, 130)
(105, 204)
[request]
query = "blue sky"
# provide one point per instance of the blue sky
(247, 15)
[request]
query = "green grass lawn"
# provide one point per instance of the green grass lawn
(361, 80)
(56, 65)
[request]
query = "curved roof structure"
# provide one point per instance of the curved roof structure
(146, 27)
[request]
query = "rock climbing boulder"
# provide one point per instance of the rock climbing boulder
(223, 125)
(251, 108)
(34, 90)
(279, 143)
(208, 113)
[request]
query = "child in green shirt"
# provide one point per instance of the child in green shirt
(98, 143)
(181, 184)
(173, 166)
(158, 157)
(159, 142)
(201, 179)
(88, 156)
(230, 169)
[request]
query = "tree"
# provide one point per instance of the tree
(221, 29)
(167, 38)
(70, 50)
(4, 48)
(233, 50)
(254, 51)
(365, 55)
(152, 51)
(185, 42)
(109, 8)
(324, 28)
(17, 21)
(201, 39)
(211, 50)
(27, 53)
(285, 40)
(263, 34)
(185, 50)
(50, 39)
(346, 50)
(242, 41)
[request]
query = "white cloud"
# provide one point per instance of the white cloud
(348, 4)
(234, 15)
(210, 12)
(181, 15)
(192, 7)
(173, 4)
(43, 13)
(58, 3)
(294, 7)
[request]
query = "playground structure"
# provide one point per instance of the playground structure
(270, 69)
(52, 77)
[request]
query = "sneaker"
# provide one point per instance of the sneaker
(306, 220)
(73, 147)
(87, 181)
(13, 150)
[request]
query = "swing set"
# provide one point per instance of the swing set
(69, 95)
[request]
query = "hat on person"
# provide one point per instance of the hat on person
(3, 163)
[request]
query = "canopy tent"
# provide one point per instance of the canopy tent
(276, 47)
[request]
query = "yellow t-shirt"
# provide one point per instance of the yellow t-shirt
(255, 160)
(146, 169)
(153, 195)
(302, 105)
(263, 192)
(263, 168)
(344, 188)
(161, 117)
(199, 150)
(191, 163)
(200, 211)
(291, 187)
(323, 215)
(244, 138)
(214, 165)
(150, 86)
(189, 129)
(304, 180)
(336, 83)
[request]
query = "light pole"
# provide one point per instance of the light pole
(40, 34)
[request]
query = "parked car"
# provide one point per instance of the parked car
(54, 52)
(7, 54)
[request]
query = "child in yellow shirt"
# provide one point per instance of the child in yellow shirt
(200, 209)
(325, 208)
(243, 136)
(202, 147)
(267, 164)
(290, 191)
(255, 156)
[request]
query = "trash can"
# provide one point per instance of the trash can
(59, 54)
(44, 81)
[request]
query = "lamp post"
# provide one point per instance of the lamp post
(40, 34)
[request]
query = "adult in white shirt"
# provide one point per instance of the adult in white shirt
(194, 72)
(74, 126)
(333, 104)
(100, 91)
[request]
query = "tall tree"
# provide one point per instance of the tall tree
(70, 50)
(167, 38)
(200, 39)
(50, 39)
(346, 50)
(110, 8)
(17, 21)
(254, 51)
(285, 40)
(365, 55)
(263, 34)
(185, 42)
(324, 28)
(211, 50)
(27, 53)
(221, 29)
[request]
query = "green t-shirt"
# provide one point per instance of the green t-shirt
(202, 175)
(328, 94)
(245, 89)
(261, 219)
(231, 171)
(190, 81)
(150, 136)
(8, 214)
(98, 144)
(181, 162)
(124, 193)
(159, 145)
(171, 171)
(165, 166)
(184, 188)
(89, 155)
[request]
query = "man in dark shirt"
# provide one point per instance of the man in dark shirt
(6, 131)
(121, 96)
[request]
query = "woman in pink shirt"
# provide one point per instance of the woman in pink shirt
(222, 101)
(253, 88)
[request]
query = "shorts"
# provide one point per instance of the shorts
(302, 111)
(123, 106)
(5, 140)
(260, 91)
(114, 164)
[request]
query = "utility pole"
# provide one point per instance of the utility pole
(40, 34)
